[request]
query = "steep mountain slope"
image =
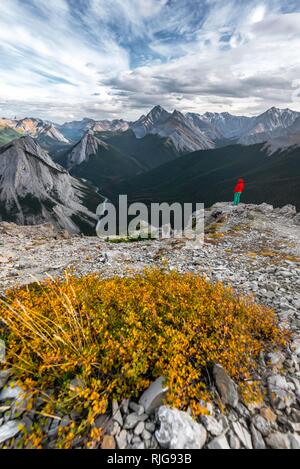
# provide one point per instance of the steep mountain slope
(33, 190)
(274, 123)
(150, 151)
(230, 127)
(180, 129)
(204, 124)
(147, 124)
(98, 161)
(209, 176)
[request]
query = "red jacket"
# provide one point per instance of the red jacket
(240, 186)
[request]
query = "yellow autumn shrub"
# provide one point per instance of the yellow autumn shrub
(114, 336)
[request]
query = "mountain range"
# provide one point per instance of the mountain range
(188, 132)
(161, 156)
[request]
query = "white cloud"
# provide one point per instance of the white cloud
(202, 56)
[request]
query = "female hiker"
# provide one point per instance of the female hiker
(239, 188)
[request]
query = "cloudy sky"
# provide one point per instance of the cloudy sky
(67, 59)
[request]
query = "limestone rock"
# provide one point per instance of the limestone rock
(294, 440)
(278, 440)
(11, 392)
(10, 430)
(133, 419)
(280, 392)
(179, 431)
(243, 435)
(288, 211)
(121, 440)
(257, 439)
(4, 375)
(214, 427)
(154, 396)
(219, 443)
(225, 386)
(262, 425)
(139, 428)
(268, 414)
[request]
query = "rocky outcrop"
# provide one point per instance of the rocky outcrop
(35, 190)
(179, 431)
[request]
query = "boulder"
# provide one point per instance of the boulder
(4, 375)
(10, 430)
(264, 208)
(219, 443)
(214, 427)
(243, 435)
(296, 219)
(116, 413)
(278, 440)
(262, 425)
(225, 386)
(288, 211)
(133, 419)
(121, 440)
(280, 392)
(294, 439)
(178, 430)
(11, 392)
(257, 439)
(154, 396)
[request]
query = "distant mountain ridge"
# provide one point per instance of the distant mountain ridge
(188, 132)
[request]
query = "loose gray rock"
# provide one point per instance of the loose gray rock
(296, 219)
(225, 386)
(288, 211)
(150, 426)
(178, 430)
(234, 442)
(146, 435)
(243, 435)
(137, 408)
(4, 375)
(280, 392)
(140, 445)
(116, 413)
(154, 396)
(214, 427)
(133, 419)
(257, 439)
(139, 428)
(11, 392)
(121, 440)
(10, 430)
(278, 440)
(262, 425)
(294, 440)
(219, 443)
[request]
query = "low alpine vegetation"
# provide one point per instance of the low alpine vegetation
(77, 343)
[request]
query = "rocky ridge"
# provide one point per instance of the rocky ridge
(254, 248)
(34, 189)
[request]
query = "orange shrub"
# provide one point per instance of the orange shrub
(116, 335)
